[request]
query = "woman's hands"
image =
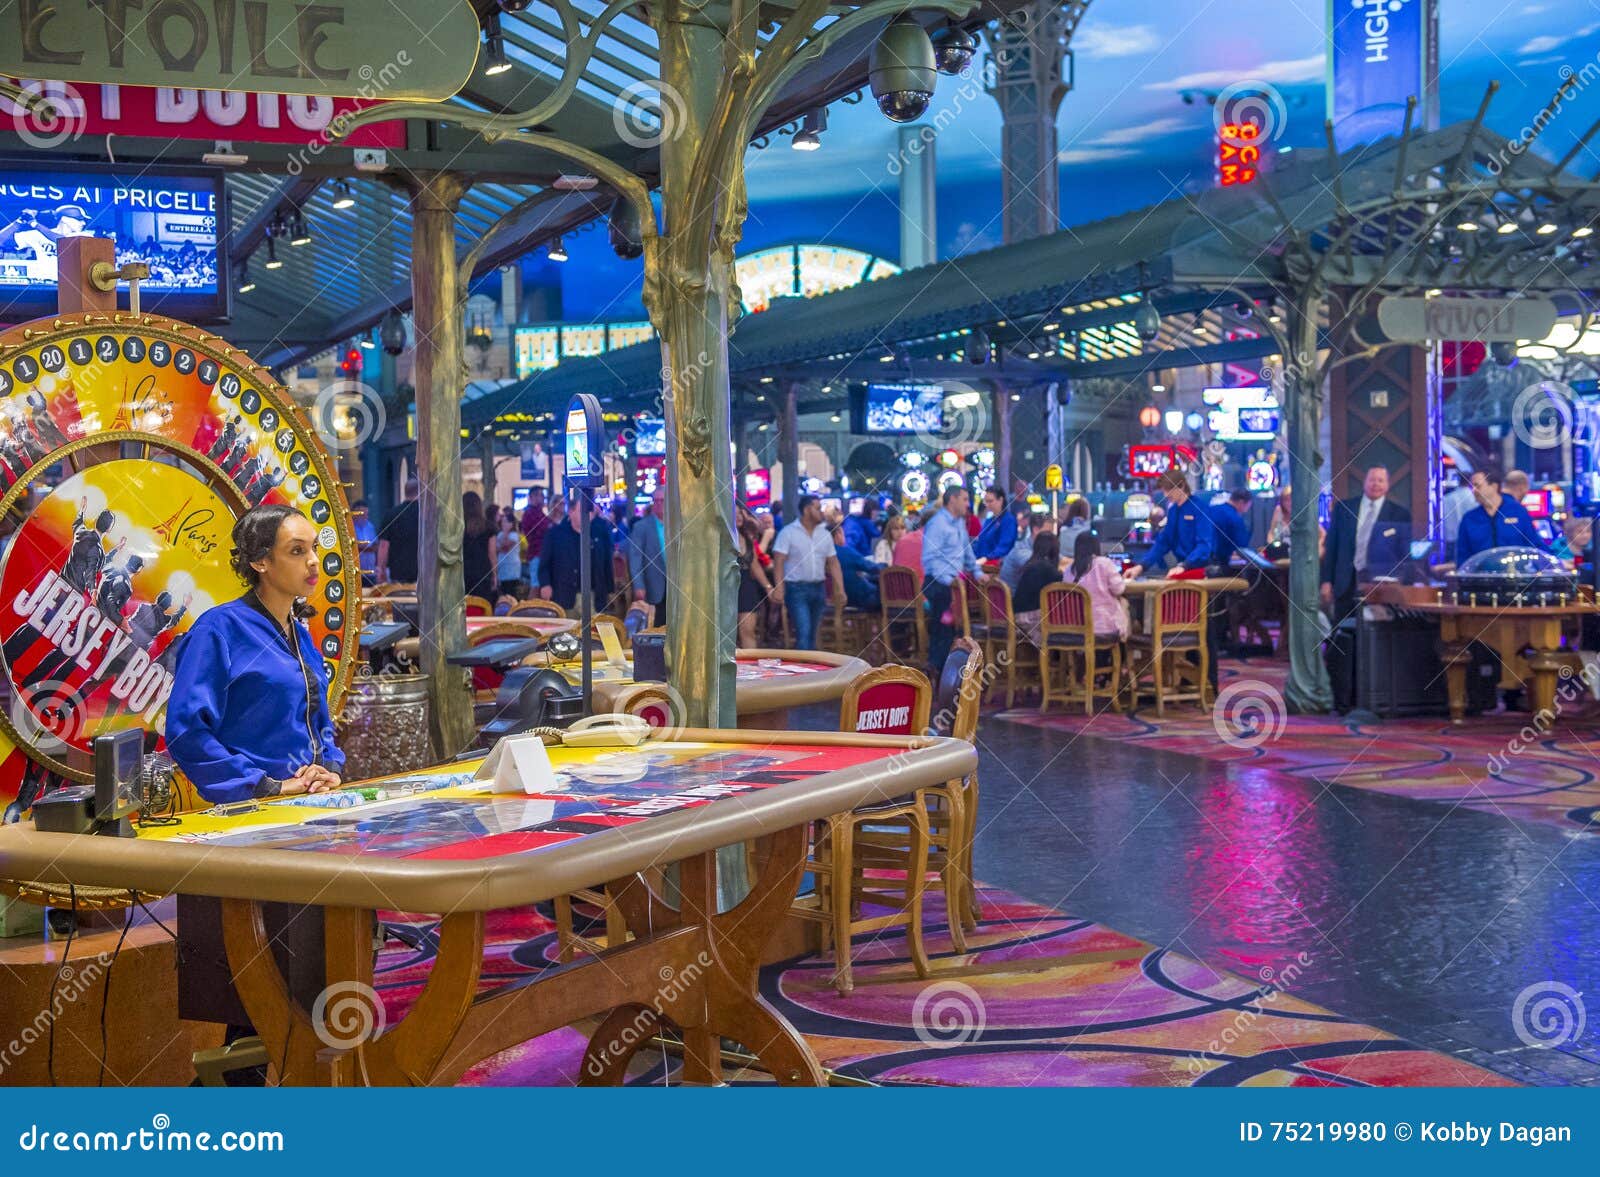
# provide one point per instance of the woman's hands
(313, 778)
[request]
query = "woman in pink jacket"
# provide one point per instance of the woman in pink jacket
(1104, 581)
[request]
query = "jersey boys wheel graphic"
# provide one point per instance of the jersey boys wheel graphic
(128, 447)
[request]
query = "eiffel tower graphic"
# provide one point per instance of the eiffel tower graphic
(167, 529)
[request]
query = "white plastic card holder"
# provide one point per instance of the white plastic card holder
(518, 764)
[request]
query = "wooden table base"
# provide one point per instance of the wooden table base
(691, 966)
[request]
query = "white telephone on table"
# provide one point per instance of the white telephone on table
(606, 731)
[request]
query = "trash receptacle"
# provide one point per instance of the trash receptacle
(384, 727)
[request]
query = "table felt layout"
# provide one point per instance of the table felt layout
(746, 670)
(596, 789)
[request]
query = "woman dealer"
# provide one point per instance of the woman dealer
(249, 715)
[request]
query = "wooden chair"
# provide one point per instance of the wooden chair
(537, 608)
(841, 624)
(891, 700)
(504, 604)
(1177, 615)
(1067, 638)
(478, 606)
(1000, 635)
(901, 606)
(952, 808)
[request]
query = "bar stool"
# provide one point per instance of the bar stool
(1177, 629)
(900, 600)
(537, 608)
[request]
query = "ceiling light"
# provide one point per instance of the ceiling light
(1547, 228)
(299, 230)
(1507, 227)
(1434, 292)
(246, 282)
(1469, 226)
(272, 255)
(344, 197)
(494, 58)
(1016, 396)
(1158, 388)
(558, 251)
(809, 136)
(1583, 231)
(834, 418)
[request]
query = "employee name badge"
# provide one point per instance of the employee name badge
(518, 764)
(613, 646)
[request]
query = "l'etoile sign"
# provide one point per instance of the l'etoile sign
(424, 49)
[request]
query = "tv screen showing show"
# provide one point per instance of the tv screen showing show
(650, 436)
(902, 408)
(166, 218)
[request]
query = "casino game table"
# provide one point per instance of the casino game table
(768, 682)
(441, 843)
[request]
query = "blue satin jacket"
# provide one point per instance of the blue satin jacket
(239, 710)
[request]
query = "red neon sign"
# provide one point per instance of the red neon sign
(1238, 153)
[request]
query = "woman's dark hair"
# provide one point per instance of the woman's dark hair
(474, 520)
(1083, 554)
(1078, 509)
(254, 536)
(1046, 549)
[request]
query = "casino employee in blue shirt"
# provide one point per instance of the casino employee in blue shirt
(248, 715)
(1188, 535)
(1498, 521)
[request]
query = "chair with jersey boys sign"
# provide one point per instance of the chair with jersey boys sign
(888, 701)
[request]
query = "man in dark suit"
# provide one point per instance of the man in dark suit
(1368, 537)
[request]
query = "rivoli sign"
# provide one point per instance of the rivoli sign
(1488, 320)
(422, 50)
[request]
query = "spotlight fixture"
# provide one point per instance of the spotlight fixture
(625, 230)
(1158, 388)
(366, 342)
(558, 251)
(344, 197)
(299, 230)
(273, 262)
(392, 334)
(953, 48)
(1547, 228)
(1506, 227)
(246, 282)
(809, 136)
(1583, 231)
(494, 47)
(902, 70)
(1469, 226)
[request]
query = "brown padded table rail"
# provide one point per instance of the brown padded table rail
(486, 884)
(758, 696)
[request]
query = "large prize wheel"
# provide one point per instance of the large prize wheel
(156, 435)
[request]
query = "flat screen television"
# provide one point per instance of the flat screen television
(166, 217)
(897, 409)
(650, 437)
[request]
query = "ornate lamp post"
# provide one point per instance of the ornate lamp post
(716, 80)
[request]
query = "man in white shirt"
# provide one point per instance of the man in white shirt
(802, 557)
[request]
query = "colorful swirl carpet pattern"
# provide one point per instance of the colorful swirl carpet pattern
(1501, 763)
(1040, 999)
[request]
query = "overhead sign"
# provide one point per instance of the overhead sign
(1380, 53)
(585, 442)
(337, 48)
(1488, 320)
(163, 112)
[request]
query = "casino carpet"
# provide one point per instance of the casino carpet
(1016, 1010)
(1495, 762)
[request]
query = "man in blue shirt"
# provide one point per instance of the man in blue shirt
(861, 531)
(1187, 536)
(1497, 521)
(999, 533)
(1232, 519)
(946, 555)
(860, 574)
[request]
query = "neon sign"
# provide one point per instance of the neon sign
(1238, 153)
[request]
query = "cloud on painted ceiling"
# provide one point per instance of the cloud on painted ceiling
(1546, 43)
(1124, 142)
(1283, 73)
(1101, 41)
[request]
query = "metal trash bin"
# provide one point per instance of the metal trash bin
(384, 726)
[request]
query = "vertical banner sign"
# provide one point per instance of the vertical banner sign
(1380, 53)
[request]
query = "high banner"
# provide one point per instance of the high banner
(1380, 53)
(128, 447)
